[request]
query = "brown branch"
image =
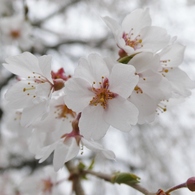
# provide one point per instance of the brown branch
(108, 178)
(92, 43)
(32, 164)
(75, 178)
(61, 9)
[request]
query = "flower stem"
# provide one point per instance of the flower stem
(183, 185)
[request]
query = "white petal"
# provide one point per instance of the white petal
(154, 38)
(98, 67)
(83, 71)
(33, 113)
(17, 97)
(151, 78)
(112, 24)
(22, 65)
(180, 81)
(43, 90)
(173, 54)
(146, 106)
(92, 124)
(121, 114)
(155, 85)
(110, 62)
(93, 69)
(64, 152)
(77, 94)
(144, 61)
(45, 152)
(96, 147)
(36, 141)
(137, 20)
(45, 66)
(122, 80)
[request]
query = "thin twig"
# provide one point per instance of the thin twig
(61, 9)
(108, 178)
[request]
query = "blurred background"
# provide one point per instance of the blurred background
(162, 153)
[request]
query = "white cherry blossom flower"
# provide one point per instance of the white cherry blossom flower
(53, 126)
(171, 57)
(33, 91)
(136, 33)
(68, 147)
(43, 182)
(101, 95)
(151, 88)
(58, 133)
(15, 29)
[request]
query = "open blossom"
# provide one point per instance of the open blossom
(136, 33)
(171, 57)
(151, 88)
(15, 29)
(42, 182)
(33, 90)
(67, 147)
(101, 95)
(59, 133)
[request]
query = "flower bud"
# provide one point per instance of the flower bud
(122, 53)
(58, 84)
(190, 183)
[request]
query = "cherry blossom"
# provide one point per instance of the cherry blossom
(101, 95)
(68, 147)
(43, 182)
(33, 90)
(151, 88)
(59, 132)
(136, 33)
(15, 29)
(63, 117)
(9, 182)
(171, 57)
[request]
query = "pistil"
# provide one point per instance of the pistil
(102, 94)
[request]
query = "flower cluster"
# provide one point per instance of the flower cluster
(69, 112)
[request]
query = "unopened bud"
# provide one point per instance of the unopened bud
(190, 183)
(122, 53)
(58, 84)
(125, 178)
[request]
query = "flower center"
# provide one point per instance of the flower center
(102, 94)
(15, 34)
(135, 43)
(63, 111)
(47, 185)
(60, 74)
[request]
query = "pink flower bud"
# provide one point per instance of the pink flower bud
(122, 53)
(190, 183)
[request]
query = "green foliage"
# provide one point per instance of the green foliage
(92, 164)
(126, 59)
(81, 165)
(125, 178)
